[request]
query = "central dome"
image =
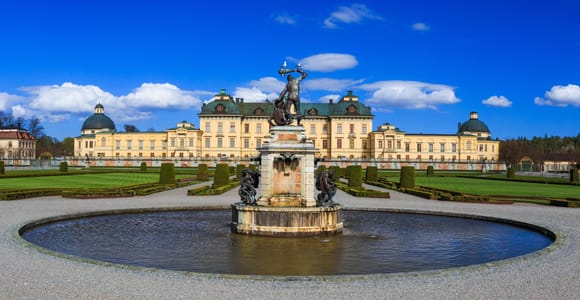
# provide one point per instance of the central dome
(473, 125)
(98, 120)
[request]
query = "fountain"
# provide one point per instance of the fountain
(286, 205)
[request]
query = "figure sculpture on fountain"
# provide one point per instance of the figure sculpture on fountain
(290, 96)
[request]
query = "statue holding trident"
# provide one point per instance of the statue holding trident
(292, 90)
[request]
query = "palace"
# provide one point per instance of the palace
(233, 129)
(17, 145)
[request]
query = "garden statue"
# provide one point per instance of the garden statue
(248, 184)
(325, 184)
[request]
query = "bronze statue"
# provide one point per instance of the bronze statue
(290, 96)
(248, 184)
(325, 184)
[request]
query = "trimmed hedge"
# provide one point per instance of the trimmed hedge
(221, 176)
(211, 190)
(29, 193)
(574, 175)
(143, 167)
(167, 173)
(321, 169)
(407, 179)
(239, 169)
(202, 172)
(430, 171)
(355, 179)
(63, 167)
(2, 169)
(372, 174)
(511, 173)
(362, 192)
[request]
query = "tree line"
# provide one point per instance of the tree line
(540, 149)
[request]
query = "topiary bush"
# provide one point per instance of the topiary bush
(346, 173)
(355, 177)
(430, 171)
(319, 170)
(221, 176)
(511, 173)
(202, 172)
(2, 169)
(239, 169)
(574, 175)
(372, 174)
(63, 167)
(407, 179)
(167, 174)
(143, 167)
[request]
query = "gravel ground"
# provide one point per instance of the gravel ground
(27, 273)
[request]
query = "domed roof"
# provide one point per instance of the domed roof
(99, 120)
(473, 125)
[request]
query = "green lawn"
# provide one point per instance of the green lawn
(499, 187)
(105, 180)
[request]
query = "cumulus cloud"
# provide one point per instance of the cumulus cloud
(356, 13)
(268, 84)
(68, 97)
(7, 100)
(253, 94)
(499, 101)
(560, 96)
(325, 99)
(420, 27)
(329, 84)
(285, 19)
(329, 62)
(409, 94)
(160, 95)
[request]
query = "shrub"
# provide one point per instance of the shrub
(355, 176)
(143, 167)
(167, 174)
(372, 174)
(202, 172)
(2, 170)
(336, 170)
(221, 176)
(430, 171)
(511, 173)
(319, 170)
(239, 169)
(63, 167)
(574, 175)
(407, 179)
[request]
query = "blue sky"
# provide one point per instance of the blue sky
(421, 65)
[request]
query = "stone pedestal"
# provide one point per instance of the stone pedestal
(287, 204)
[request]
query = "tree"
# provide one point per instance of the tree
(131, 128)
(34, 127)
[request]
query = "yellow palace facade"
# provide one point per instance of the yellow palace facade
(233, 129)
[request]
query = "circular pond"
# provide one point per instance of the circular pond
(373, 242)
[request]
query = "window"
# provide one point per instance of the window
(129, 144)
(180, 154)
(364, 128)
(468, 146)
(380, 144)
(172, 142)
(117, 144)
(152, 154)
(103, 142)
(442, 157)
(339, 128)
(152, 144)
(339, 143)
(389, 144)
(312, 128)
(407, 147)
(398, 144)
(232, 126)
(232, 142)
(91, 144)
(454, 147)
(220, 127)
(140, 154)
(207, 127)
(419, 147)
(430, 147)
(190, 142)
(220, 142)
(207, 142)
(182, 143)
(364, 143)
(442, 147)
(164, 145)
(325, 128)
(140, 144)
(351, 143)
(246, 128)
(324, 144)
(351, 129)
(246, 143)
(258, 143)
(258, 128)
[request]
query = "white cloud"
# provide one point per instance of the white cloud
(160, 95)
(560, 96)
(355, 13)
(499, 101)
(328, 62)
(285, 19)
(325, 99)
(420, 27)
(329, 84)
(253, 94)
(7, 100)
(67, 97)
(268, 84)
(409, 94)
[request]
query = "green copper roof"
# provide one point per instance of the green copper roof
(473, 125)
(98, 121)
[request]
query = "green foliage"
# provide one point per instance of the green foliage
(253, 167)
(511, 173)
(27, 193)
(372, 173)
(574, 175)
(346, 172)
(355, 177)
(202, 172)
(143, 167)
(239, 169)
(63, 167)
(2, 169)
(430, 171)
(167, 174)
(407, 179)
(337, 171)
(221, 176)
(232, 170)
(321, 169)
(207, 190)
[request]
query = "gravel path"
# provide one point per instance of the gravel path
(27, 273)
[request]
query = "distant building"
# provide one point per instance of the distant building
(17, 145)
(234, 129)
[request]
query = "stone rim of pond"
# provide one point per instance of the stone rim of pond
(557, 237)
